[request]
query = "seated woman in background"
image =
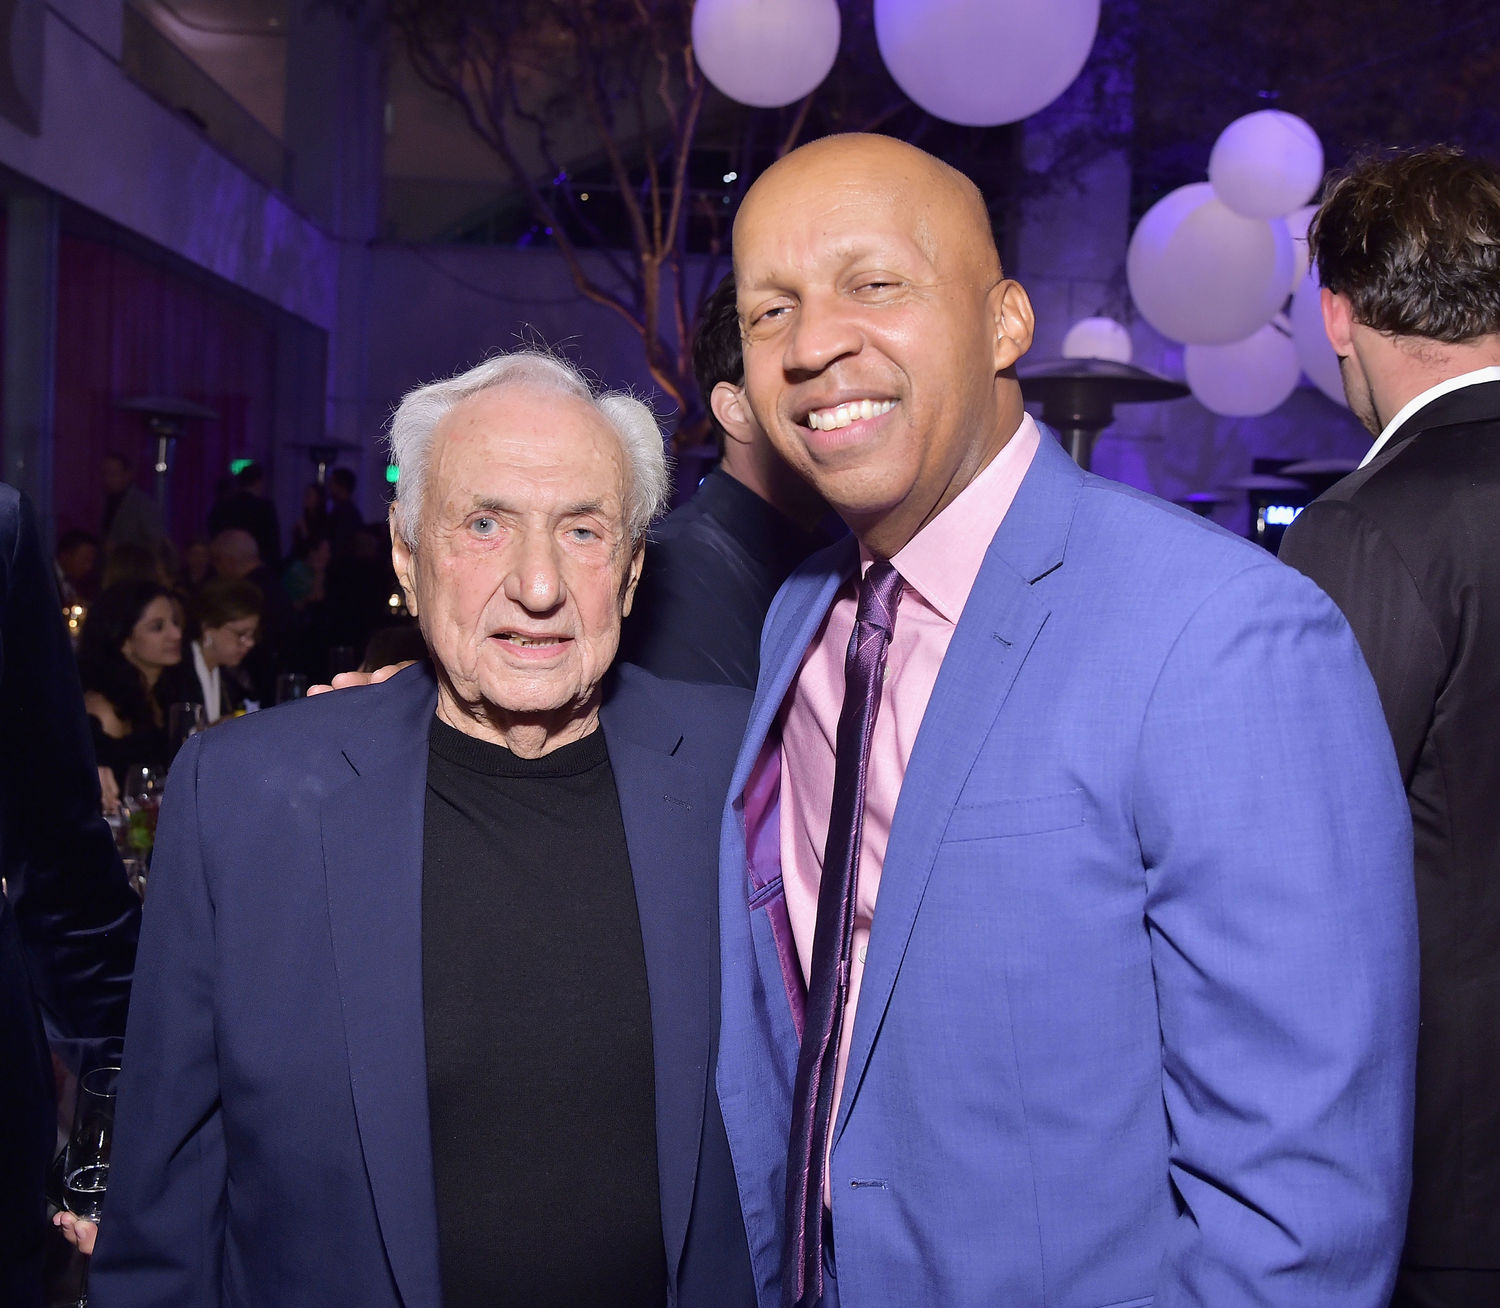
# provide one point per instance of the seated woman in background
(223, 621)
(130, 636)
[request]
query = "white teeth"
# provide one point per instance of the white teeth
(844, 414)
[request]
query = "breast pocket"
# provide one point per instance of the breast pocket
(1021, 816)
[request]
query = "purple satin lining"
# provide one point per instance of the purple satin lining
(762, 809)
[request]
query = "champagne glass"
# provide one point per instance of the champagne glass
(290, 686)
(86, 1158)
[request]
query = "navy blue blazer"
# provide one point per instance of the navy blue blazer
(273, 1143)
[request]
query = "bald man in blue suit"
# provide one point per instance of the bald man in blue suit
(1133, 1016)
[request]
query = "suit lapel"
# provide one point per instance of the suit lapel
(372, 853)
(994, 635)
(669, 826)
(805, 600)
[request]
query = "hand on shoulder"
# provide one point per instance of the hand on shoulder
(345, 680)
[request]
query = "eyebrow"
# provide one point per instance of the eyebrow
(851, 250)
(491, 504)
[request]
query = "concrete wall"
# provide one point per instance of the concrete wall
(442, 308)
(106, 144)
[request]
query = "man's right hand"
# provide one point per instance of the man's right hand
(346, 679)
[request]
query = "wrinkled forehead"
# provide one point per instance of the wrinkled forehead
(550, 441)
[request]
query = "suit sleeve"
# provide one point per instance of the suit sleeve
(162, 1237)
(1361, 570)
(77, 914)
(1280, 907)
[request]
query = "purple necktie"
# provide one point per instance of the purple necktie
(828, 982)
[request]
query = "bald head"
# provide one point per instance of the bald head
(234, 552)
(949, 215)
(880, 335)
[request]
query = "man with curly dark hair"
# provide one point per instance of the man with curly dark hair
(1408, 252)
(715, 563)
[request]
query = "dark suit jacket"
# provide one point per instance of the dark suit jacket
(68, 927)
(713, 567)
(272, 1143)
(1409, 548)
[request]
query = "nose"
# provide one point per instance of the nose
(534, 580)
(822, 333)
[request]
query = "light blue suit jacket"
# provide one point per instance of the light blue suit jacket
(1138, 1020)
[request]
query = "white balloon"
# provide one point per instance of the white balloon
(766, 52)
(1097, 338)
(1297, 223)
(985, 62)
(1247, 378)
(1314, 352)
(1266, 164)
(1201, 273)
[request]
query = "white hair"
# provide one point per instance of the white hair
(409, 437)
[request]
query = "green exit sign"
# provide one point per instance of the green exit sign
(392, 473)
(237, 466)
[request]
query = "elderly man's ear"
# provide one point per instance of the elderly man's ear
(632, 579)
(1010, 311)
(401, 560)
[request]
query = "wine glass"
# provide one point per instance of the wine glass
(141, 799)
(290, 686)
(184, 720)
(86, 1157)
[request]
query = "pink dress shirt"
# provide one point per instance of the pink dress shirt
(938, 565)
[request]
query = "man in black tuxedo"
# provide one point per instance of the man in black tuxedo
(69, 919)
(1408, 252)
(715, 563)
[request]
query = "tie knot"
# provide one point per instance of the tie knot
(878, 593)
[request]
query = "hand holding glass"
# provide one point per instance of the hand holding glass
(86, 1158)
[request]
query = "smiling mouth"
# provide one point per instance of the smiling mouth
(841, 415)
(528, 642)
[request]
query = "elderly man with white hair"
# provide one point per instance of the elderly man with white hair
(426, 1010)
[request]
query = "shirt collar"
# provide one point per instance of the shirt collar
(1424, 399)
(942, 560)
(208, 681)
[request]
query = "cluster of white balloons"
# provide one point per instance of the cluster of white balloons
(944, 54)
(1212, 264)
